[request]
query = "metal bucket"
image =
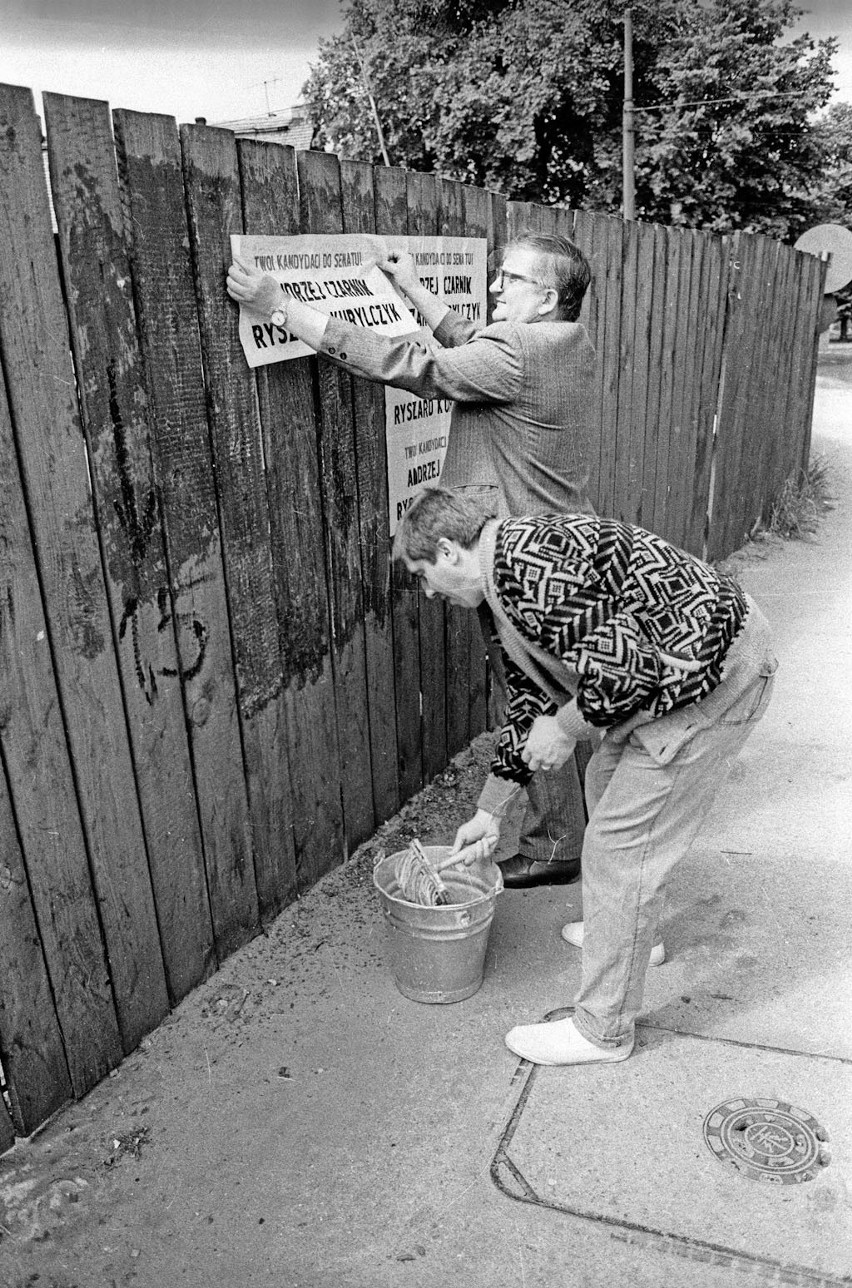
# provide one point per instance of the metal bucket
(438, 954)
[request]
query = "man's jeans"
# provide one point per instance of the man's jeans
(647, 797)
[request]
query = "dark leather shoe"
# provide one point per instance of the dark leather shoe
(521, 872)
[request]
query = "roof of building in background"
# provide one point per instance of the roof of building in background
(288, 125)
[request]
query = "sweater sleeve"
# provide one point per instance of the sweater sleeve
(524, 702)
(487, 369)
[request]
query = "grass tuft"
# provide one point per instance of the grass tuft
(804, 498)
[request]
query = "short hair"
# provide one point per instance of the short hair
(456, 515)
(566, 265)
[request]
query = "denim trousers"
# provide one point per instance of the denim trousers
(646, 797)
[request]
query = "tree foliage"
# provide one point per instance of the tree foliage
(833, 194)
(525, 97)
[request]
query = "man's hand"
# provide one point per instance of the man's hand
(483, 826)
(258, 291)
(547, 746)
(399, 265)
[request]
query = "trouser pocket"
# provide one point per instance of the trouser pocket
(750, 706)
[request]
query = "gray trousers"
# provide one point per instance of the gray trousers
(646, 802)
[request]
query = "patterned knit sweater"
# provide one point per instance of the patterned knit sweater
(622, 624)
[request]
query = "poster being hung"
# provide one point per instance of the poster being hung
(335, 274)
(338, 274)
(456, 270)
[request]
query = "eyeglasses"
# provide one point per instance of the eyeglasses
(503, 275)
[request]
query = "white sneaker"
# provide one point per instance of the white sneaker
(573, 934)
(559, 1042)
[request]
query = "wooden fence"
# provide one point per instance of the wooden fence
(212, 687)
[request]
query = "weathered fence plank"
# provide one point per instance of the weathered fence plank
(475, 224)
(359, 216)
(642, 373)
(422, 192)
(7, 1131)
(391, 197)
(669, 324)
(654, 263)
(802, 383)
(796, 344)
(588, 233)
(48, 829)
(31, 1048)
(678, 426)
(612, 256)
(622, 463)
(497, 237)
(772, 461)
(211, 180)
(750, 491)
(319, 188)
(817, 272)
(113, 406)
(712, 335)
(684, 426)
(42, 401)
(288, 418)
(459, 622)
(732, 426)
(152, 187)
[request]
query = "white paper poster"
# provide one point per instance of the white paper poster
(335, 274)
(456, 270)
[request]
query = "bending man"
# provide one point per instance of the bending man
(604, 627)
(520, 429)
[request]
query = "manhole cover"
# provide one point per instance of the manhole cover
(767, 1140)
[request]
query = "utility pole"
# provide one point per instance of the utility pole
(628, 186)
(373, 107)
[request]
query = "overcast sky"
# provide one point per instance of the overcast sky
(215, 58)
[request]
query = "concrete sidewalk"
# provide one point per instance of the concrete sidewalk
(298, 1123)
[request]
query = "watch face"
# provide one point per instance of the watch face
(279, 317)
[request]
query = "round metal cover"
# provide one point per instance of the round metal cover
(767, 1140)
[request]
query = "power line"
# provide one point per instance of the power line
(738, 98)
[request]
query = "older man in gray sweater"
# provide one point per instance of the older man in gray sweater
(520, 433)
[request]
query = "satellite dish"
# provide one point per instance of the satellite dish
(836, 241)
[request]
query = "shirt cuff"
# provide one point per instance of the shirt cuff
(496, 794)
(572, 723)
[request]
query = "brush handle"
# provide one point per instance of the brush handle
(482, 849)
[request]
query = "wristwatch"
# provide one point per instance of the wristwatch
(278, 316)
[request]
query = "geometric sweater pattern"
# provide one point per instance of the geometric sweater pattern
(640, 625)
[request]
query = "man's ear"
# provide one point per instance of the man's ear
(550, 300)
(447, 549)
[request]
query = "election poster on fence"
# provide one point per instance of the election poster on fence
(338, 274)
(335, 274)
(456, 270)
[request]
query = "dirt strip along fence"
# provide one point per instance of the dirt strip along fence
(213, 686)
